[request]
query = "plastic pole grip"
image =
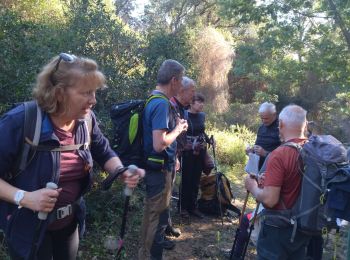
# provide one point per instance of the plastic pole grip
(131, 168)
(51, 186)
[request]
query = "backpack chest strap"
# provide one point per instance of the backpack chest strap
(54, 148)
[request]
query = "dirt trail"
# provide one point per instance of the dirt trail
(207, 238)
(203, 239)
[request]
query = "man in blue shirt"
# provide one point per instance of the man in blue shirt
(161, 127)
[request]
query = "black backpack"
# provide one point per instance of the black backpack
(128, 131)
(325, 188)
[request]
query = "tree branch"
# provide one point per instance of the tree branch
(339, 21)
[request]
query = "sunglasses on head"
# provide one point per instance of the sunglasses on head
(63, 57)
(66, 58)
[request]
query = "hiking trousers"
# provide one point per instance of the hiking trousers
(155, 216)
(192, 167)
(274, 243)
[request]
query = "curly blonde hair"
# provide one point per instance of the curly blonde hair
(59, 75)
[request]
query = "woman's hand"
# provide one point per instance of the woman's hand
(131, 178)
(42, 200)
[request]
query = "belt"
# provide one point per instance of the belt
(63, 212)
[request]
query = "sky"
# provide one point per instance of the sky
(139, 4)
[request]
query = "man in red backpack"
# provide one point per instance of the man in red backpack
(282, 183)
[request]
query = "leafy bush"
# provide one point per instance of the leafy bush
(237, 114)
(231, 143)
(334, 117)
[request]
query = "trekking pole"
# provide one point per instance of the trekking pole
(244, 206)
(238, 230)
(127, 192)
(180, 191)
(217, 179)
(42, 216)
(251, 228)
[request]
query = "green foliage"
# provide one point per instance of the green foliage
(296, 50)
(104, 218)
(334, 116)
(164, 45)
(89, 29)
(237, 114)
(231, 144)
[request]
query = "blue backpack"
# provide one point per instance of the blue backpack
(325, 188)
(31, 137)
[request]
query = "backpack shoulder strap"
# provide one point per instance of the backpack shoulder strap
(293, 145)
(35, 147)
(88, 125)
(31, 131)
(186, 114)
(156, 96)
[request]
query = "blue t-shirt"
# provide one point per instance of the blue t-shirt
(158, 115)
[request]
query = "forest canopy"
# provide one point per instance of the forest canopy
(240, 53)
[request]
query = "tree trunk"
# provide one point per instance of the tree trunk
(339, 21)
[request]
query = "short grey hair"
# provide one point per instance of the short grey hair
(293, 115)
(267, 107)
(187, 82)
(168, 70)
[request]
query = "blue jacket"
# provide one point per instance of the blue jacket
(19, 224)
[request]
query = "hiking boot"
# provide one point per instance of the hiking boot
(173, 232)
(196, 213)
(167, 244)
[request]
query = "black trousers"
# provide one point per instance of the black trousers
(60, 244)
(56, 245)
(192, 167)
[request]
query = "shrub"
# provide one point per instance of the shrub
(231, 143)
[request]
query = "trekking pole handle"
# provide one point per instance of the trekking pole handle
(51, 186)
(133, 169)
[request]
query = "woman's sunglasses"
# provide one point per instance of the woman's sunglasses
(62, 57)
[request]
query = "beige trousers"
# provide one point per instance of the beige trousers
(154, 206)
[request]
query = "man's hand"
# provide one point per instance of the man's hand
(132, 179)
(250, 183)
(249, 149)
(260, 151)
(177, 164)
(181, 125)
(261, 180)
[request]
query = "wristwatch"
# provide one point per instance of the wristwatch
(19, 195)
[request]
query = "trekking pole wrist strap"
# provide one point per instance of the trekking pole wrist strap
(107, 183)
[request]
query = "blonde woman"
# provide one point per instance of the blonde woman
(65, 94)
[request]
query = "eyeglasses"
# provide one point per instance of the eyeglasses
(66, 58)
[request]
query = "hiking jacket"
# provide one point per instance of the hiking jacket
(19, 224)
(268, 138)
